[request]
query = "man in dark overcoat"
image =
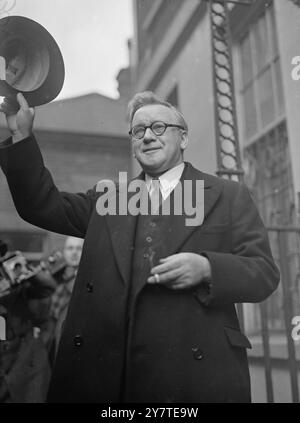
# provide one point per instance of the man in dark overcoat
(152, 317)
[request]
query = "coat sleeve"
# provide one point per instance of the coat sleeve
(248, 273)
(35, 195)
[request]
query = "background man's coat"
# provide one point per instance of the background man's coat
(177, 345)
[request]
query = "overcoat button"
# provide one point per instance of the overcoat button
(89, 287)
(149, 239)
(197, 353)
(78, 340)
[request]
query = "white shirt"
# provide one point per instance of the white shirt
(167, 181)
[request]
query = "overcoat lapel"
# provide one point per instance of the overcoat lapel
(178, 231)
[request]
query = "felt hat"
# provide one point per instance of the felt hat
(34, 64)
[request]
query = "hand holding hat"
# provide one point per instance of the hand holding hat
(20, 123)
(32, 73)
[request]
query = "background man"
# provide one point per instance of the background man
(152, 315)
(60, 300)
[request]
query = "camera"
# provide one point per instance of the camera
(14, 270)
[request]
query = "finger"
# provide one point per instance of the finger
(178, 287)
(3, 107)
(164, 267)
(168, 263)
(22, 101)
(170, 258)
(179, 283)
(164, 278)
(7, 107)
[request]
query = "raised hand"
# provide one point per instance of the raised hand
(19, 123)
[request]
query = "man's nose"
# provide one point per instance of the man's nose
(149, 136)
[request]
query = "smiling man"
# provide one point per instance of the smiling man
(159, 136)
(152, 316)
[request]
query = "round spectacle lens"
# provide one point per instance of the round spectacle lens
(158, 128)
(138, 131)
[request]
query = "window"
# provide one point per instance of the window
(261, 83)
(268, 173)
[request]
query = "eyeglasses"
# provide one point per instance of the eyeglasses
(158, 128)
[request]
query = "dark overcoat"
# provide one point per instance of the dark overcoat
(178, 345)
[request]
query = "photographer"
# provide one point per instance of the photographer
(25, 300)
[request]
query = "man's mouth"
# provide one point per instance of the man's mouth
(151, 150)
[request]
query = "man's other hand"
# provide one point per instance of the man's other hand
(181, 271)
(20, 123)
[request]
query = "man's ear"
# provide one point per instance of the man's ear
(184, 140)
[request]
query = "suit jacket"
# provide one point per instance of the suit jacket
(179, 346)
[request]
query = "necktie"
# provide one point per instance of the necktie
(155, 196)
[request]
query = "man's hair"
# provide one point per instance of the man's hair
(148, 98)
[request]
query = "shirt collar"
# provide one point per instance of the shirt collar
(167, 180)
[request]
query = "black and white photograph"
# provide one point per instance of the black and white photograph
(149, 205)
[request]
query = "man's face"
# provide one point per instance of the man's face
(72, 251)
(158, 153)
